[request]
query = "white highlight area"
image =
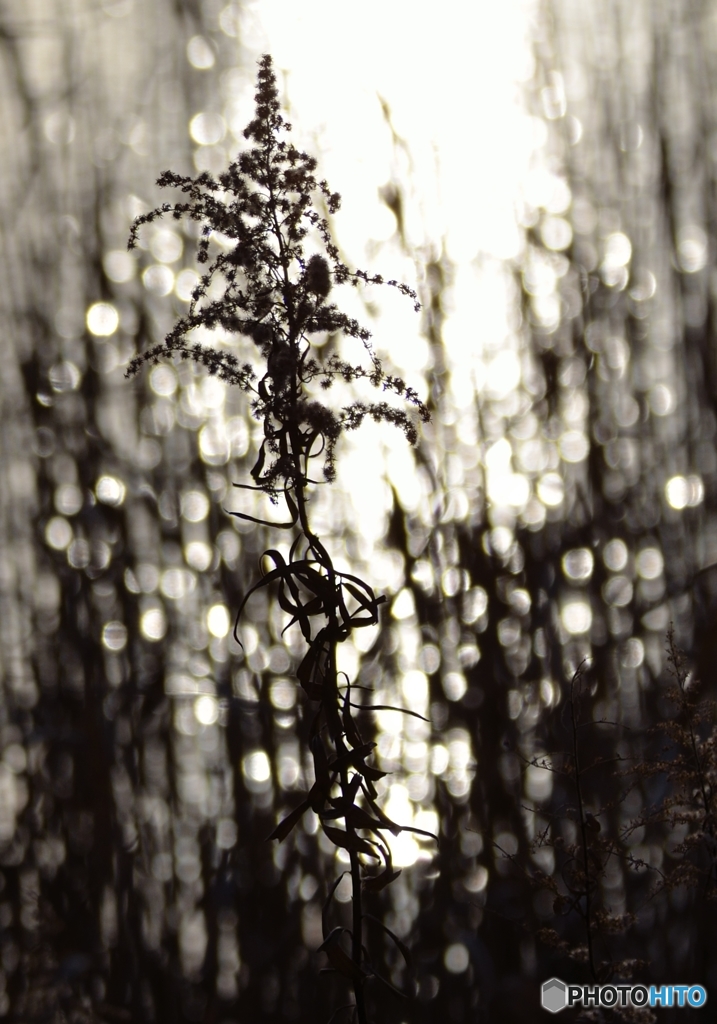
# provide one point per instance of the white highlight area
(450, 85)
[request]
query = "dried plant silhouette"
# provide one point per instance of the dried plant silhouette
(582, 850)
(273, 292)
(585, 858)
(686, 761)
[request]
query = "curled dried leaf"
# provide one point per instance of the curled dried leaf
(350, 841)
(285, 826)
(339, 958)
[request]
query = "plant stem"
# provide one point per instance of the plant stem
(331, 694)
(583, 828)
(357, 935)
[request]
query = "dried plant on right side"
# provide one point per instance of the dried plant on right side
(572, 850)
(688, 762)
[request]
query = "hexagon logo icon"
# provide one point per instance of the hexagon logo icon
(553, 995)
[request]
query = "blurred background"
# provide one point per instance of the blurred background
(544, 174)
